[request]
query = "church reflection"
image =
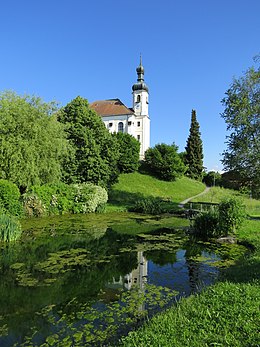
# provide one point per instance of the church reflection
(137, 277)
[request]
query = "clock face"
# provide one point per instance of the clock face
(137, 105)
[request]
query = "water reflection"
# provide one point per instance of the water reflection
(48, 283)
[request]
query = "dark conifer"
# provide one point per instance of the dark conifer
(194, 151)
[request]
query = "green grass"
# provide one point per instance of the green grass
(226, 314)
(216, 194)
(134, 186)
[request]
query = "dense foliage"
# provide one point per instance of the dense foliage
(10, 198)
(242, 116)
(194, 151)
(62, 198)
(129, 152)
(164, 162)
(31, 141)
(95, 151)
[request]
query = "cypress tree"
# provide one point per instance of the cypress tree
(194, 151)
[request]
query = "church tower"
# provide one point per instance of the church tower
(140, 107)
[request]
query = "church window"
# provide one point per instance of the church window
(110, 125)
(138, 98)
(129, 123)
(120, 127)
(138, 137)
(138, 124)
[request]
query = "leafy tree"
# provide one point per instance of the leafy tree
(164, 162)
(95, 151)
(242, 116)
(129, 152)
(32, 142)
(194, 151)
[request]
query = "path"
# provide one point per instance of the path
(193, 197)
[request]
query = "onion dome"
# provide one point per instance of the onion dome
(140, 85)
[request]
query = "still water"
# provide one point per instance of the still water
(86, 280)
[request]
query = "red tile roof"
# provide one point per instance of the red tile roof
(110, 107)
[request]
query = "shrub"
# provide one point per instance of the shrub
(206, 224)
(57, 198)
(88, 198)
(10, 228)
(33, 206)
(231, 215)
(10, 198)
(62, 198)
(148, 205)
(164, 162)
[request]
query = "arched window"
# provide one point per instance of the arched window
(138, 98)
(120, 127)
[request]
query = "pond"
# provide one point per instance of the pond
(86, 280)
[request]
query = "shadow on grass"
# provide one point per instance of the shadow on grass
(244, 271)
(128, 200)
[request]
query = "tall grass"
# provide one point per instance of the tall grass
(10, 228)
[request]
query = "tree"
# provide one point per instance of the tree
(164, 162)
(32, 142)
(212, 178)
(242, 116)
(194, 151)
(95, 152)
(129, 152)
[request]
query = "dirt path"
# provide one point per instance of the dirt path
(195, 196)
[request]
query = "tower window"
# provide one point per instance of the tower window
(129, 123)
(138, 137)
(138, 98)
(138, 124)
(120, 127)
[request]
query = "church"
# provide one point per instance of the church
(134, 121)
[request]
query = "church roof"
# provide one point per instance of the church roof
(111, 107)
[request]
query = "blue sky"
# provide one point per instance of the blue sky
(59, 49)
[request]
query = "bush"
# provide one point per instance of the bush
(164, 162)
(148, 205)
(33, 206)
(56, 198)
(10, 228)
(206, 224)
(10, 198)
(231, 215)
(62, 198)
(88, 198)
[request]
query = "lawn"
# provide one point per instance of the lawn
(134, 186)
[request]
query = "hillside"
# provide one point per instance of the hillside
(134, 186)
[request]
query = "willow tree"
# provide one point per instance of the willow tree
(32, 142)
(194, 150)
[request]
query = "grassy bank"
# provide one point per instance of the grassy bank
(134, 186)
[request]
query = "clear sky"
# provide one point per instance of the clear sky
(191, 49)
